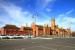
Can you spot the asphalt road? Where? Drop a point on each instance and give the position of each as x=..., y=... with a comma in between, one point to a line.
x=38, y=44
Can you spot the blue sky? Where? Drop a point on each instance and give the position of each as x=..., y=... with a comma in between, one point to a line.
x=20, y=12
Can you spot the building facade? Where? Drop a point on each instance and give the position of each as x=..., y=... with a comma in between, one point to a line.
x=36, y=30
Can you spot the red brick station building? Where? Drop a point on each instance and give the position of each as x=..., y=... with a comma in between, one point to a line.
x=35, y=30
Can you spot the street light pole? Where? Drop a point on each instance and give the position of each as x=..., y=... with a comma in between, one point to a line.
x=34, y=20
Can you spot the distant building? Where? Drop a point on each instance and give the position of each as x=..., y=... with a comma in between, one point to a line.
x=47, y=30
x=26, y=30
x=53, y=24
x=9, y=30
x=13, y=30
x=35, y=30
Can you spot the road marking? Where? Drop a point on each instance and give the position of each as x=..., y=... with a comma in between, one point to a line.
x=33, y=42
x=59, y=45
x=47, y=47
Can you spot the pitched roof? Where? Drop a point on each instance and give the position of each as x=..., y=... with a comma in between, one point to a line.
x=10, y=27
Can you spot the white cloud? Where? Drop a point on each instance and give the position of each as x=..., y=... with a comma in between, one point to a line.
x=4, y=21
x=14, y=12
x=48, y=10
x=23, y=17
x=70, y=11
x=17, y=14
x=66, y=21
x=46, y=2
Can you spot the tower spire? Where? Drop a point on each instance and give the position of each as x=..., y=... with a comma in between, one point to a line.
x=53, y=23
